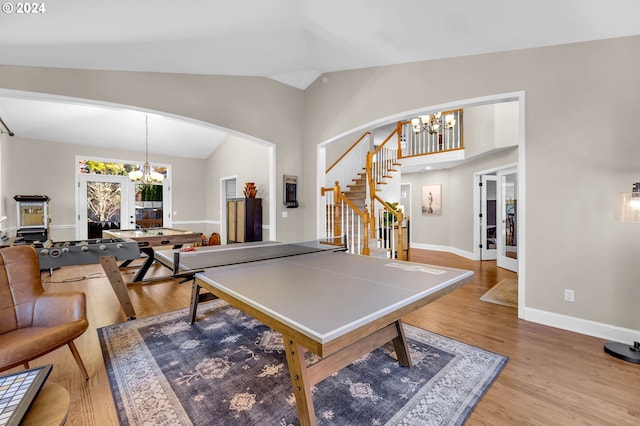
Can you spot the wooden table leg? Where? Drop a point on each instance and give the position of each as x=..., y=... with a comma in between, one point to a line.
x=112, y=271
x=300, y=382
x=400, y=345
x=193, y=306
x=146, y=264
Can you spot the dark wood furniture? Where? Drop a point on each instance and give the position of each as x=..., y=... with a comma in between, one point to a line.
x=244, y=220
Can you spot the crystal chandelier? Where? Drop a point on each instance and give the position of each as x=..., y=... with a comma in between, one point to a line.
x=432, y=123
x=147, y=175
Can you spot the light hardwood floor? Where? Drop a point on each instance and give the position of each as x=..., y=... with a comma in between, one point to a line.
x=553, y=377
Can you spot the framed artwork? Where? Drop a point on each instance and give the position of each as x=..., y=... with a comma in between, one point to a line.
x=432, y=199
x=290, y=188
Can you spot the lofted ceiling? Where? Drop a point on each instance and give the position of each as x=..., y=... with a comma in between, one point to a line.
x=290, y=41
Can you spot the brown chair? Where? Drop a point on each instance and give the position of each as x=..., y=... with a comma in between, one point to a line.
x=33, y=322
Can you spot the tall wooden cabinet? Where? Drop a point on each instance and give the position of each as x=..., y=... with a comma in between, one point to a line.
x=244, y=220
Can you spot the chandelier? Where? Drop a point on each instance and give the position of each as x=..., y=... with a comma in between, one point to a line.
x=432, y=123
x=146, y=176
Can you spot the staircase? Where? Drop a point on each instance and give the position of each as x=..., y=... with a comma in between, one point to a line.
x=357, y=191
x=359, y=215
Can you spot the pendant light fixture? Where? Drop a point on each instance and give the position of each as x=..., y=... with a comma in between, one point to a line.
x=146, y=176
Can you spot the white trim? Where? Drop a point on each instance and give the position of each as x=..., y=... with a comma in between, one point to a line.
x=520, y=228
x=321, y=166
x=196, y=222
x=273, y=196
x=446, y=249
x=56, y=227
x=582, y=326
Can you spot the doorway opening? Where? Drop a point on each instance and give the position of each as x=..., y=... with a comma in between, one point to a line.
x=228, y=191
x=497, y=213
x=488, y=217
x=107, y=199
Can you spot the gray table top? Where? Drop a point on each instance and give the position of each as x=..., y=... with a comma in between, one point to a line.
x=230, y=254
x=325, y=295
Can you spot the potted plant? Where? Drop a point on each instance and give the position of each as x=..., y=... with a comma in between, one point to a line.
x=388, y=217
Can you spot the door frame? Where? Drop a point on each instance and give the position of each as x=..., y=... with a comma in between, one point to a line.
x=477, y=178
x=80, y=196
x=223, y=206
x=127, y=202
x=485, y=252
x=518, y=96
x=504, y=261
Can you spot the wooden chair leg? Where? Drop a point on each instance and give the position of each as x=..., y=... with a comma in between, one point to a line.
x=76, y=355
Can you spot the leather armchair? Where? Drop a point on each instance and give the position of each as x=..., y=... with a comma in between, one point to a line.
x=32, y=321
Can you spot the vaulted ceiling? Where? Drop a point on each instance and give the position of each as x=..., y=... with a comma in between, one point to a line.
x=291, y=41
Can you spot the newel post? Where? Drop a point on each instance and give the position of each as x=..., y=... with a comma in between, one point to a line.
x=365, y=223
x=372, y=191
x=337, y=211
x=399, y=244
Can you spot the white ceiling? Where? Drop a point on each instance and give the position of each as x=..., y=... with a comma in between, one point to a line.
x=291, y=41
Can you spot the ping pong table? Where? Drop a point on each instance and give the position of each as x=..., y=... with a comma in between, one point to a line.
x=336, y=305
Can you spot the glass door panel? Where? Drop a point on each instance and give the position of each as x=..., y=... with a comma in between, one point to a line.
x=149, y=206
x=103, y=204
x=508, y=242
x=488, y=228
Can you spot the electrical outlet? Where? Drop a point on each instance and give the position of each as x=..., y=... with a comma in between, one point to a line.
x=569, y=296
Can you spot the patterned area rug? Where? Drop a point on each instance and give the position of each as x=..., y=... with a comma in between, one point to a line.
x=229, y=369
x=504, y=293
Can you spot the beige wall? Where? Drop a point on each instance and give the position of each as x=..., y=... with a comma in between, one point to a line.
x=260, y=108
x=581, y=109
x=38, y=167
x=453, y=229
x=581, y=148
x=248, y=162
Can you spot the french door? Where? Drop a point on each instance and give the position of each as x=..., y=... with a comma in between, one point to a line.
x=507, y=241
x=488, y=218
x=104, y=202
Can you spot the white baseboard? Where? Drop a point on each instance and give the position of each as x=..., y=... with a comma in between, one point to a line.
x=563, y=322
x=582, y=326
x=195, y=222
x=448, y=249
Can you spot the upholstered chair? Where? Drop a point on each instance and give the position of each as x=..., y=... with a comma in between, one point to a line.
x=32, y=321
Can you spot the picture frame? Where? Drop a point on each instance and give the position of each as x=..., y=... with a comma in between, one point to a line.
x=290, y=191
x=431, y=199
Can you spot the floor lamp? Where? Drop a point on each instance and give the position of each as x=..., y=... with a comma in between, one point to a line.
x=627, y=210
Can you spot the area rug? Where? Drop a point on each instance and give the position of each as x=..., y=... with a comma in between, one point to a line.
x=229, y=369
x=504, y=293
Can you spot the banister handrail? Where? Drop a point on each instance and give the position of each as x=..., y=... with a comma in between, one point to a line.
x=364, y=215
x=399, y=217
x=347, y=151
x=398, y=214
x=341, y=197
x=410, y=145
x=375, y=151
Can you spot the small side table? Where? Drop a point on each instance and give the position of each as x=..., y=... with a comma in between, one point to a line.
x=50, y=408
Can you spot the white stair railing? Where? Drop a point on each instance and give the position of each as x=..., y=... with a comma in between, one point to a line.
x=413, y=144
x=344, y=221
